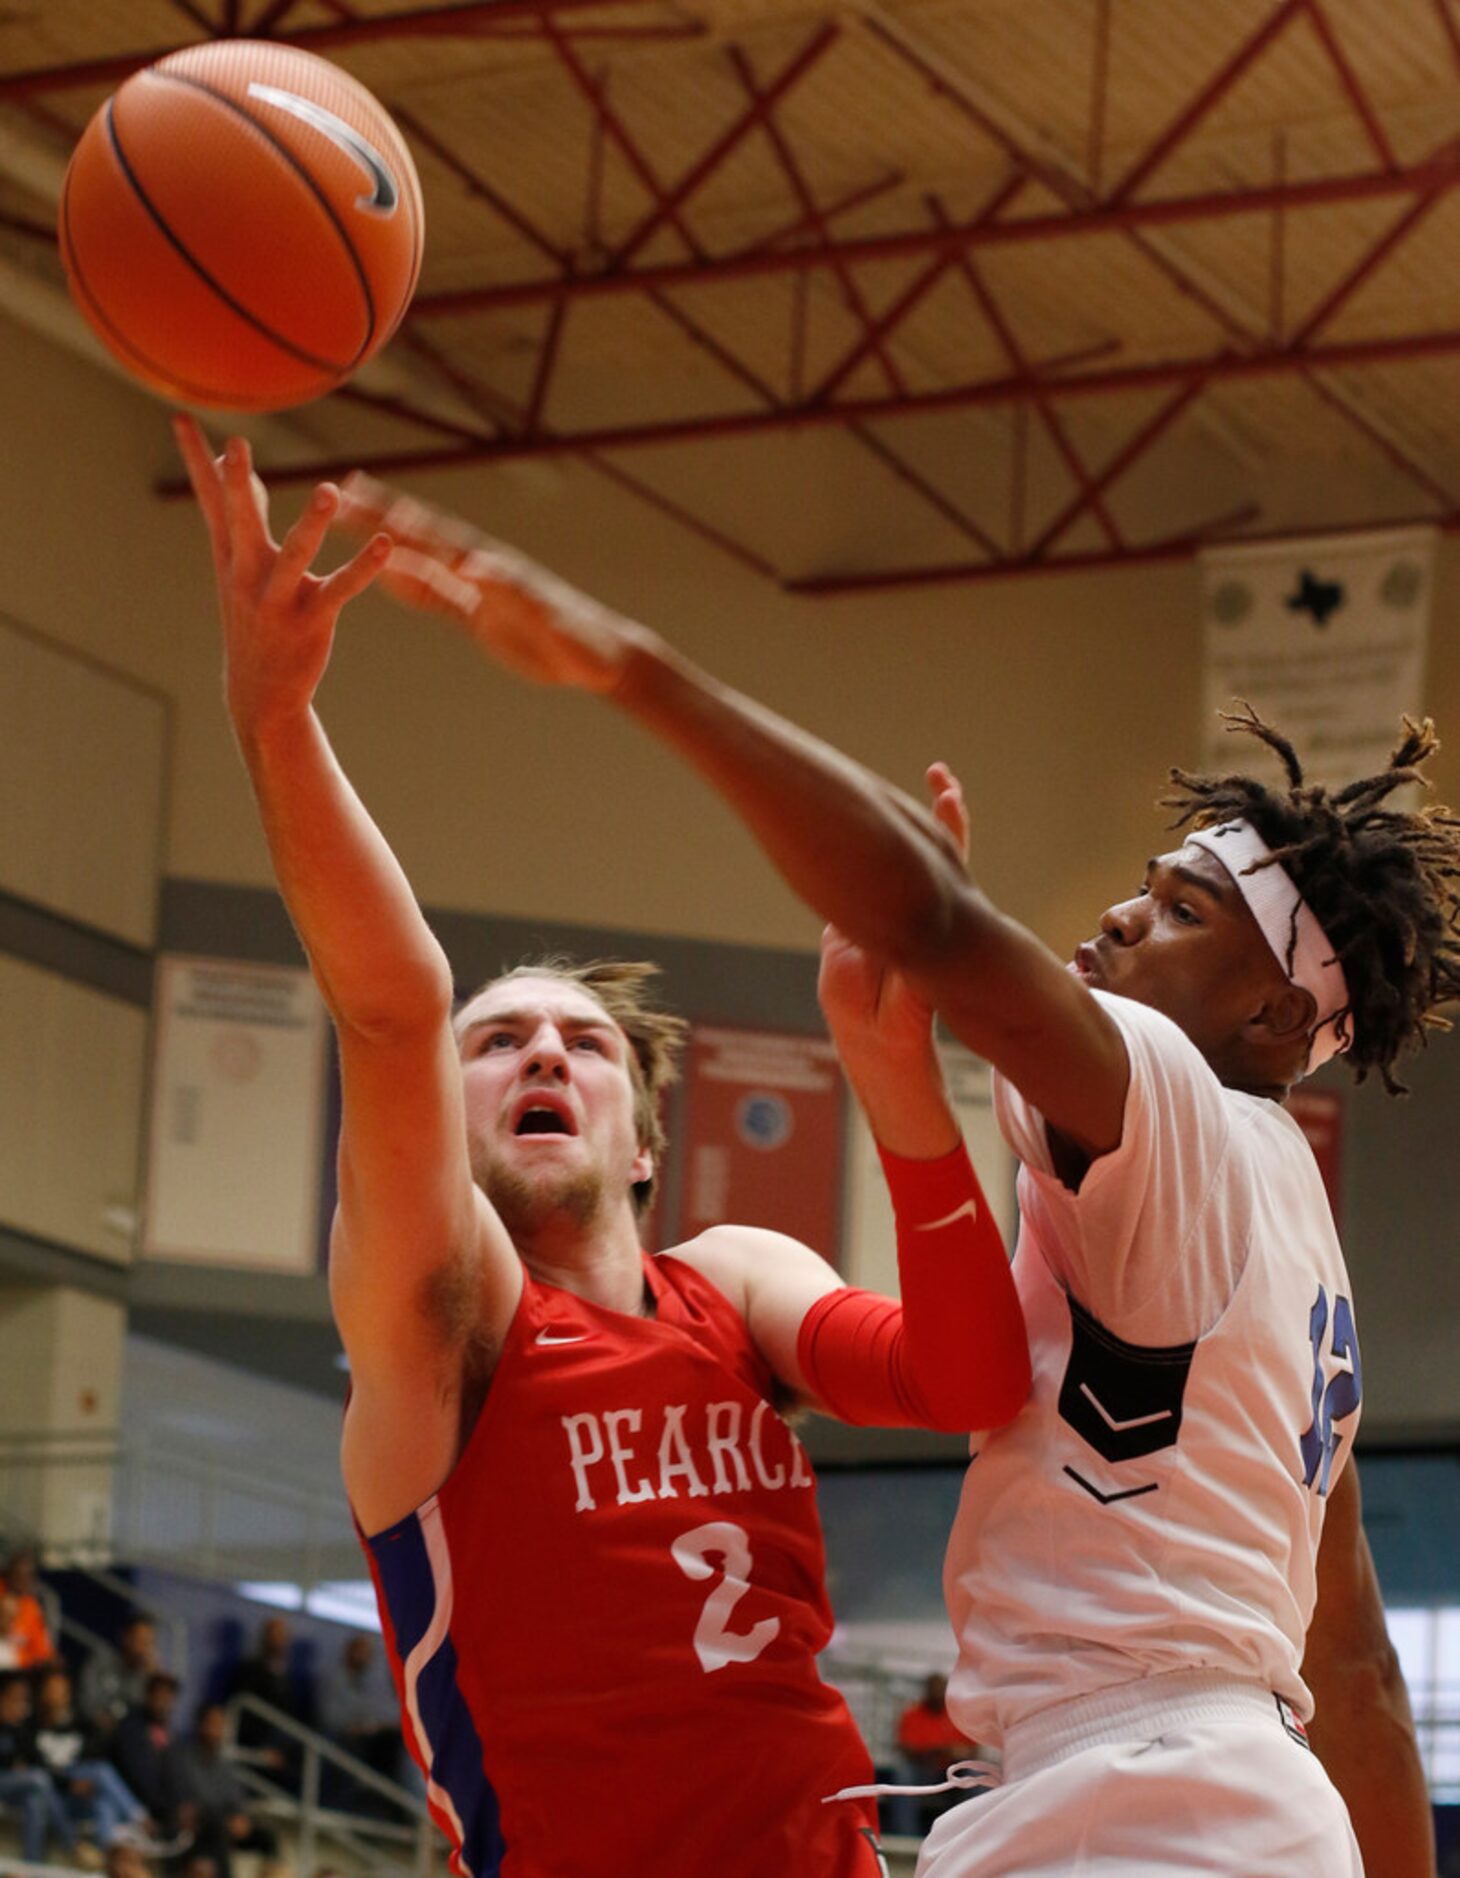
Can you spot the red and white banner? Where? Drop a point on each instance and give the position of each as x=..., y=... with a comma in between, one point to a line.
x=763, y=1135
x=1319, y=1113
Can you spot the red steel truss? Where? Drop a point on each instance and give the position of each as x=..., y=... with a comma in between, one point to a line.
x=1248, y=342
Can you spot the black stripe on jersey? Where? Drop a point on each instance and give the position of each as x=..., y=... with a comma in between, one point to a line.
x=1122, y=1399
x=1109, y=1499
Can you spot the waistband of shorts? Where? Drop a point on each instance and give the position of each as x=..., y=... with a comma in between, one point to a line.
x=1128, y=1711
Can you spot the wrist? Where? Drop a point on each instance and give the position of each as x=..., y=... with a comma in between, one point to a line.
x=924, y=1187
x=648, y=662
x=263, y=726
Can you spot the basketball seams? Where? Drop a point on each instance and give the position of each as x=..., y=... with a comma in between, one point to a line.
x=179, y=247
x=221, y=262
x=339, y=367
x=280, y=148
x=162, y=375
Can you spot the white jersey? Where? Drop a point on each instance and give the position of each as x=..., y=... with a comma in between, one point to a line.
x=1157, y=1505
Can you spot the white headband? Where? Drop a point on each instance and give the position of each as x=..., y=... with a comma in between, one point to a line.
x=1287, y=922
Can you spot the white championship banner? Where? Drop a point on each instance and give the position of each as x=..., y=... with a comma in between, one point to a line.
x=870, y=1241
x=1325, y=638
x=236, y=1132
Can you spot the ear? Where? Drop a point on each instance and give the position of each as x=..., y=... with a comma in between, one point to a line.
x=1286, y=1016
x=643, y=1167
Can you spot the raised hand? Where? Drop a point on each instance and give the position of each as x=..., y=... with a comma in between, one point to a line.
x=526, y=618
x=869, y=1007
x=278, y=617
x=949, y=808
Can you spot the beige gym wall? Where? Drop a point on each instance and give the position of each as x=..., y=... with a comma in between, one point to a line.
x=1060, y=699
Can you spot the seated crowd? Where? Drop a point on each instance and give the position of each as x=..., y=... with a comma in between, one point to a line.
x=97, y=1775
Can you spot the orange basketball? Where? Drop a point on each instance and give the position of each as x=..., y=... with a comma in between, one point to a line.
x=241, y=225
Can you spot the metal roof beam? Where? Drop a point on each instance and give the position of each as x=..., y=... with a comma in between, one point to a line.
x=1211, y=94
x=1267, y=362
x=1431, y=178
x=467, y=19
x=1181, y=548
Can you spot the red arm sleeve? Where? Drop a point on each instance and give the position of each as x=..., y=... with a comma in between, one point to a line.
x=954, y=1354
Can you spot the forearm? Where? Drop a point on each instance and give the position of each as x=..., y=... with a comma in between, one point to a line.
x=904, y=1100
x=858, y=852
x=955, y=1354
x=377, y=962
x=1363, y=1732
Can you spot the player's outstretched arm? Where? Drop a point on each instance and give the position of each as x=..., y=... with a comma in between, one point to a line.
x=410, y=1216
x=859, y=852
x=1362, y=1727
x=956, y=1351
x=953, y=1354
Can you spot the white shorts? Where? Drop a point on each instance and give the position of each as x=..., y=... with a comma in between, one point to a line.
x=1179, y=1774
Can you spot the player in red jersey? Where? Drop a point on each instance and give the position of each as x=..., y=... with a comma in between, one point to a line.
x=593, y=1536
x=1097, y=1611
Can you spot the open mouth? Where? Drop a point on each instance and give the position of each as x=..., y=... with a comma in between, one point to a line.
x=542, y=1121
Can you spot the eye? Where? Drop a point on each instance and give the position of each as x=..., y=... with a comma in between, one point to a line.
x=495, y=1040
x=593, y=1044
x=1185, y=914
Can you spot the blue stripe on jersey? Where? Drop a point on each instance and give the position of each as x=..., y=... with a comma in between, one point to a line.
x=446, y=1735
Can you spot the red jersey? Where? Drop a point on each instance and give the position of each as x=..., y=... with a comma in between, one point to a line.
x=604, y=1625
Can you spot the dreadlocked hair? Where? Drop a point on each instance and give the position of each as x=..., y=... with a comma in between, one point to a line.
x=1383, y=883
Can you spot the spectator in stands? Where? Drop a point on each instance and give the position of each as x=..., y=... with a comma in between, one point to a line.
x=93, y=1792
x=358, y=1708
x=140, y=1744
x=26, y=1628
x=210, y=1800
x=113, y=1683
x=267, y=1676
x=124, y=1859
x=929, y=1741
x=25, y=1788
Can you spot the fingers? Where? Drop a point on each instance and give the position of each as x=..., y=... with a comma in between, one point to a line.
x=422, y=581
x=357, y=574
x=202, y=472
x=303, y=541
x=366, y=505
x=949, y=806
x=245, y=504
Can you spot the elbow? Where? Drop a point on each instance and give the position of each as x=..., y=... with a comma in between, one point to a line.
x=989, y=1400
x=1005, y=1401
x=411, y=1000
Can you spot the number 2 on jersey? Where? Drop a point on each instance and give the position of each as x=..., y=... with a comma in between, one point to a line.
x=716, y=1644
x=1333, y=1397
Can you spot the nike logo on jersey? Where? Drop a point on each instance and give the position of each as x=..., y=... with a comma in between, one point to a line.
x=557, y=1336
x=968, y=1210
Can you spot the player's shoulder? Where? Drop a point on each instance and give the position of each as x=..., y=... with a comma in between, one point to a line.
x=734, y=1258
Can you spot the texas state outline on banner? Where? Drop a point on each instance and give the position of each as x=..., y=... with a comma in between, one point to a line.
x=1325, y=636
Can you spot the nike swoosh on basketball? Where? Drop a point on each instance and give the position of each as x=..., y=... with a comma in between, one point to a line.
x=968, y=1210
x=554, y=1336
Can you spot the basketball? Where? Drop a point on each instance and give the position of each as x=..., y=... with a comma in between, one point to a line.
x=241, y=225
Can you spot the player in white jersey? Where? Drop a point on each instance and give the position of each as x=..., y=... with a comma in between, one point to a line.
x=1135, y=1563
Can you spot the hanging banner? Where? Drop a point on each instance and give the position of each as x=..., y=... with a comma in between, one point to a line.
x=762, y=1135
x=1325, y=638
x=871, y=1239
x=236, y=1132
